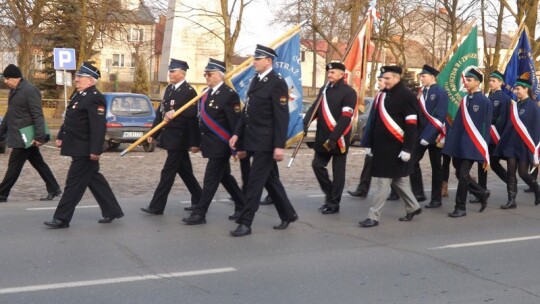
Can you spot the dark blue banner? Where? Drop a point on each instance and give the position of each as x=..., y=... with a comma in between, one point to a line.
x=521, y=65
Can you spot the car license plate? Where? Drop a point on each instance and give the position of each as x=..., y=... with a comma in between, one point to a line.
x=132, y=134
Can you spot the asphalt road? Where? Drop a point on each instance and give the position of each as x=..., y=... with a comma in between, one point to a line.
x=319, y=259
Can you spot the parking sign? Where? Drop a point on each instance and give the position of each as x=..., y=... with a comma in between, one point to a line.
x=64, y=59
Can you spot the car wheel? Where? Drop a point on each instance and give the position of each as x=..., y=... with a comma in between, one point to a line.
x=310, y=145
x=149, y=147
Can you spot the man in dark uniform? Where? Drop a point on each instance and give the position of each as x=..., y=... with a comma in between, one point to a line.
x=467, y=141
x=219, y=110
x=179, y=136
x=24, y=109
x=391, y=138
x=334, y=116
x=81, y=137
x=433, y=102
x=262, y=130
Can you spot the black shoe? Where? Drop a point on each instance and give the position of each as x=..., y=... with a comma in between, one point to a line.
x=433, y=204
x=3, y=199
x=241, y=230
x=322, y=207
x=51, y=196
x=285, y=224
x=267, y=201
x=457, y=213
x=483, y=200
x=509, y=205
x=107, y=220
x=392, y=197
x=474, y=200
x=409, y=216
x=194, y=219
x=368, y=223
x=420, y=198
x=152, y=211
x=357, y=193
x=234, y=216
x=190, y=208
x=528, y=190
x=56, y=224
x=330, y=210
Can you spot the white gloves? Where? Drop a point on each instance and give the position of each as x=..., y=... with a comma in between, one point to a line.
x=368, y=152
x=405, y=156
x=423, y=142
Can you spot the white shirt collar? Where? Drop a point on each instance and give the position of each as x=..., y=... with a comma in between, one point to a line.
x=177, y=85
x=262, y=75
x=214, y=89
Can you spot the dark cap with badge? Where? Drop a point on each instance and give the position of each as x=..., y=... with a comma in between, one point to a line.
x=262, y=51
x=426, y=69
x=12, y=71
x=215, y=66
x=88, y=70
x=526, y=83
x=335, y=65
x=391, y=68
x=176, y=65
x=498, y=75
x=474, y=73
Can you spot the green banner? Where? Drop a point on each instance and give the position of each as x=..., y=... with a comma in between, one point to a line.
x=451, y=76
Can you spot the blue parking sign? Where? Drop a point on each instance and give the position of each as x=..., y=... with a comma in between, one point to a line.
x=64, y=59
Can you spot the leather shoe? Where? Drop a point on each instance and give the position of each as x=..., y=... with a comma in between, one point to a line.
x=322, y=207
x=51, y=196
x=152, y=211
x=241, y=230
x=330, y=210
x=285, y=224
x=457, y=213
x=3, y=199
x=357, y=193
x=509, y=205
x=368, y=223
x=474, y=200
x=190, y=208
x=433, y=204
x=528, y=190
x=392, y=197
x=267, y=201
x=194, y=219
x=234, y=216
x=483, y=200
x=409, y=216
x=420, y=198
x=56, y=224
x=107, y=220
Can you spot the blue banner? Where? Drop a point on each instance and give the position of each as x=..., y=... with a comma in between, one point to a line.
x=287, y=64
x=521, y=65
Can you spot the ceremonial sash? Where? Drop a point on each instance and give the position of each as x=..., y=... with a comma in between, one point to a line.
x=213, y=125
x=331, y=122
x=522, y=131
x=433, y=120
x=477, y=138
x=389, y=123
x=494, y=134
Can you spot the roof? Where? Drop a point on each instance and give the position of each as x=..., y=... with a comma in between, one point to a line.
x=491, y=39
x=323, y=48
x=141, y=15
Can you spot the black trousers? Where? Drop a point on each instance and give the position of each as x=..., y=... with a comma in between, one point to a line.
x=365, y=176
x=522, y=168
x=84, y=173
x=495, y=166
x=331, y=189
x=177, y=162
x=218, y=170
x=435, y=159
x=264, y=173
x=465, y=182
x=17, y=158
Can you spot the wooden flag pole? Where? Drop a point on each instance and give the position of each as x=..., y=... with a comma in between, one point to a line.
x=464, y=33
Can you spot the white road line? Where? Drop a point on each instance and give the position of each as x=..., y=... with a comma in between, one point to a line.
x=144, y=277
x=54, y=208
x=472, y=244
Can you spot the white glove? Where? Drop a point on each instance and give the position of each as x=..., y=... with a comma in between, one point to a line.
x=405, y=156
x=368, y=152
x=423, y=142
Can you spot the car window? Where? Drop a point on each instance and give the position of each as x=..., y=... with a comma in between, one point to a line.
x=130, y=106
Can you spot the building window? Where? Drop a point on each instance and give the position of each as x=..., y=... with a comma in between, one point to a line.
x=135, y=34
x=37, y=62
x=133, y=59
x=118, y=60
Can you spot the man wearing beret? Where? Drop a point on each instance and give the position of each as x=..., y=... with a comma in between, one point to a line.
x=433, y=103
x=219, y=111
x=262, y=129
x=334, y=116
x=178, y=137
x=81, y=137
x=24, y=109
x=391, y=138
x=467, y=141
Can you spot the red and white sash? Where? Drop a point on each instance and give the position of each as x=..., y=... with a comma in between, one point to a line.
x=331, y=121
x=391, y=124
x=522, y=131
x=477, y=138
x=495, y=137
x=433, y=120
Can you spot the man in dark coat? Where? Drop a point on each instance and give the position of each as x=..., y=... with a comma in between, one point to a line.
x=391, y=139
x=467, y=141
x=219, y=110
x=81, y=137
x=179, y=136
x=334, y=117
x=24, y=109
x=262, y=130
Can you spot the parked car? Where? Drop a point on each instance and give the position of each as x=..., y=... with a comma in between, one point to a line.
x=359, y=132
x=129, y=117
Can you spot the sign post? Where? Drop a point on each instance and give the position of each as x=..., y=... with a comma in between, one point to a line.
x=64, y=59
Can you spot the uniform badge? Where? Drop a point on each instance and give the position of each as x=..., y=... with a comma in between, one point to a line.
x=521, y=111
x=476, y=108
x=217, y=92
x=101, y=110
x=432, y=97
x=496, y=103
x=265, y=79
x=83, y=93
x=283, y=100
x=237, y=108
x=172, y=103
x=74, y=105
x=211, y=103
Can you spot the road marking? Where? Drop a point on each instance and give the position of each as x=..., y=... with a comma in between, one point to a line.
x=54, y=208
x=462, y=245
x=143, y=277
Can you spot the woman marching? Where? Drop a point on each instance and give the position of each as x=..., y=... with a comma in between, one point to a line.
x=519, y=142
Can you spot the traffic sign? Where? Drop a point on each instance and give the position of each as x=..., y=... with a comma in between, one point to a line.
x=64, y=59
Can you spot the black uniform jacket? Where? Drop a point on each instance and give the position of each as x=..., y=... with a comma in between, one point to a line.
x=83, y=131
x=223, y=108
x=265, y=118
x=340, y=97
x=182, y=132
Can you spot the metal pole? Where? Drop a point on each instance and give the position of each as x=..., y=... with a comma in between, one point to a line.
x=65, y=90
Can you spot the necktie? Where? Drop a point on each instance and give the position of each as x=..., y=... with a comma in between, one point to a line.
x=424, y=92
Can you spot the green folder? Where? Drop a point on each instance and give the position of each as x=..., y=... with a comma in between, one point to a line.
x=28, y=134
